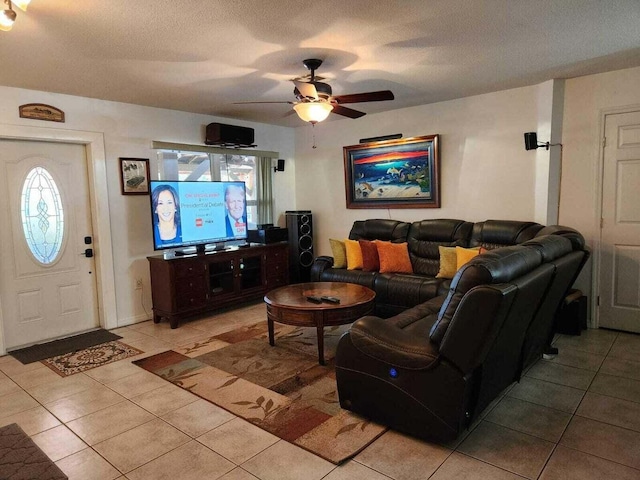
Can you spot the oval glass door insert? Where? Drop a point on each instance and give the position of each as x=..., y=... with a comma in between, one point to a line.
x=42, y=215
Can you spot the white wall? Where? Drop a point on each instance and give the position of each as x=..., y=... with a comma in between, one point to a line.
x=485, y=172
x=128, y=132
x=587, y=99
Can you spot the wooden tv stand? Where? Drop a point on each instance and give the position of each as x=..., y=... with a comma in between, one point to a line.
x=191, y=284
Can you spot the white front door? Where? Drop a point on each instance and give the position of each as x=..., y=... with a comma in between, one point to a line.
x=47, y=282
x=620, y=235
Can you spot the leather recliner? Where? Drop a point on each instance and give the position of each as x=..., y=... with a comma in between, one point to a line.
x=430, y=370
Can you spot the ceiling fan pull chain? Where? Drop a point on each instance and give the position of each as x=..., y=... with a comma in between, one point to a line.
x=313, y=130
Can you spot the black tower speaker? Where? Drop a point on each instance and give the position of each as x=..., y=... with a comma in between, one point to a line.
x=300, y=226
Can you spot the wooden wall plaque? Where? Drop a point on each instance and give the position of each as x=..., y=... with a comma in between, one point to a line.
x=40, y=111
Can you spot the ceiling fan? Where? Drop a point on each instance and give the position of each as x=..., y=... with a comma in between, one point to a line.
x=315, y=99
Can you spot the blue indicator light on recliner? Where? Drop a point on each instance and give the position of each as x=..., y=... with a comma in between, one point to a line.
x=393, y=373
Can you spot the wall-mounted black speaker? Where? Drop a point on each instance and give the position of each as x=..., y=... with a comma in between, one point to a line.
x=530, y=141
x=300, y=227
x=222, y=134
x=280, y=166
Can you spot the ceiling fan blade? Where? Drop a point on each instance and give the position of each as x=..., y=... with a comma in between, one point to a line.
x=365, y=97
x=306, y=89
x=248, y=103
x=347, y=112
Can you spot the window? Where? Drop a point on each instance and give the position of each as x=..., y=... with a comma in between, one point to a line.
x=205, y=167
x=42, y=215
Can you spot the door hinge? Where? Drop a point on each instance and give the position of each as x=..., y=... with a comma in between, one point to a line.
x=601, y=222
x=598, y=300
x=604, y=141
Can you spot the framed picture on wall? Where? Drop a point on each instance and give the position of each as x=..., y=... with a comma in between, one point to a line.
x=400, y=173
x=134, y=176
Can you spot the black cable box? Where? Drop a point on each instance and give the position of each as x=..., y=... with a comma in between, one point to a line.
x=268, y=235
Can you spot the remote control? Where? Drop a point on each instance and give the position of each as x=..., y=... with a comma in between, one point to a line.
x=330, y=299
x=311, y=298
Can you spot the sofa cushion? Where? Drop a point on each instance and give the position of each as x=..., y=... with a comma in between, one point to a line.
x=394, y=257
x=354, y=255
x=339, y=253
x=464, y=255
x=370, y=258
x=405, y=290
x=502, y=233
x=379, y=229
x=424, y=238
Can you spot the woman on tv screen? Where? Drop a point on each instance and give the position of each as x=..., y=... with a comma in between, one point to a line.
x=166, y=207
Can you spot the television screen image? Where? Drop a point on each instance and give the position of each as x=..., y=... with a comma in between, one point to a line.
x=197, y=213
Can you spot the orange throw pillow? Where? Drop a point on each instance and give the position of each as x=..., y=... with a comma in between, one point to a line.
x=394, y=257
x=354, y=254
x=463, y=255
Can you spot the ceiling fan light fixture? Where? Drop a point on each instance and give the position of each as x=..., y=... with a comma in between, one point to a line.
x=7, y=17
x=22, y=4
x=313, y=112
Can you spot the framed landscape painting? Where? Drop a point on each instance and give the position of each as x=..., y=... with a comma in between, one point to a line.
x=399, y=173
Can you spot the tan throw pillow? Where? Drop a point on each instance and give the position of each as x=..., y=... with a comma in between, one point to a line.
x=463, y=255
x=339, y=253
x=354, y=254
x=448, y=262
x=394, y=257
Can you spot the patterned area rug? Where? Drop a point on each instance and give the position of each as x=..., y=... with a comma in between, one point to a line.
x=21, y=458
x=281, y=389
x=92, y=357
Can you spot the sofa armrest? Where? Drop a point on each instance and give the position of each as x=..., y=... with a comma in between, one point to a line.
x=320, y=264
x=386, y=341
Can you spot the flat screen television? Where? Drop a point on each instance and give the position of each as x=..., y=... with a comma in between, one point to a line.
x=197, y=214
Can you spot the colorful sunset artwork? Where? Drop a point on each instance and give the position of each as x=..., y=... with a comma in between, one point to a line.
x=392, y=172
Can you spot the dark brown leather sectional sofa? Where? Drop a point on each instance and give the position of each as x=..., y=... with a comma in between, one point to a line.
x=395, y=292
x=432, y=368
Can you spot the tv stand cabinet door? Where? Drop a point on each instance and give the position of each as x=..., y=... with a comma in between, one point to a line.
x=276, y=266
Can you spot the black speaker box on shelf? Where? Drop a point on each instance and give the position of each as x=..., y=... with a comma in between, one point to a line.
x=268, y=235
x=300, y=226
x=222, y=134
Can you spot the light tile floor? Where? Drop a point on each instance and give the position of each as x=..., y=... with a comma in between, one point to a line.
x=576, y=416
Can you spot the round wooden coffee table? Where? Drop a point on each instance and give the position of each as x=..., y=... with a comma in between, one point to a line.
x=289, y=305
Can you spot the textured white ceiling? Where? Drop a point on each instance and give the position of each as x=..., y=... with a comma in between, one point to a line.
x=203, y=55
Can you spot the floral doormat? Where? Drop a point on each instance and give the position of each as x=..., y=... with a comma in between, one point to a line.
x=281, y=389
x=88, y=358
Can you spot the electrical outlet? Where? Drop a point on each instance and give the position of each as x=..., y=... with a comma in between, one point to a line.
x=138, y=283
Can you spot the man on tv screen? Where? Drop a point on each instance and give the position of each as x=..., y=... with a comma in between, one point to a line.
x=235, y=219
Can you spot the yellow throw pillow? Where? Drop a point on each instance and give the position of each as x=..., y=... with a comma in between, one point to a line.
x=339, y=253
x=394, y=257
x=354, y=254
x=448, y=262
x=463, y=255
